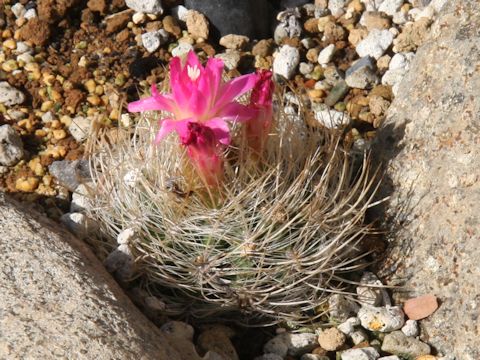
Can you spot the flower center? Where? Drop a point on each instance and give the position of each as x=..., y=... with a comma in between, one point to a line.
x=193, y=72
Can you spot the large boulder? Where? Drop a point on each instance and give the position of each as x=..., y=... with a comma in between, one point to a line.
x=57, y=300
x=431, y=143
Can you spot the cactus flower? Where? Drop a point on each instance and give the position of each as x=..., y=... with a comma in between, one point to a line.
x=199, y=95
x=258, y=127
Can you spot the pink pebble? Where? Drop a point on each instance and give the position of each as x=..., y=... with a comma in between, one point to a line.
x=420, y=307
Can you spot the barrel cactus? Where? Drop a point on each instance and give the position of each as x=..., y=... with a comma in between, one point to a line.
x=269, y=231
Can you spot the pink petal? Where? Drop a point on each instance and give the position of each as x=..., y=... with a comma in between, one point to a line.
x=236, y=87
x=220, y=129
x=236, y=112
x=192, y=60
x=210, y=82
x=154, y=102
x=166, y=127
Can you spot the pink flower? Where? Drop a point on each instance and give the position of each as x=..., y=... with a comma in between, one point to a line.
x=258, y=127
x=199, y=95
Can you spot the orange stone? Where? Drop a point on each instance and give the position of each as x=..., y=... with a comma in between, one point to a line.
x=420, y=307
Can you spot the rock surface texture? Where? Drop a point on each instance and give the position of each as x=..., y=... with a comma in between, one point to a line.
x=59, y=302
x=431, y=143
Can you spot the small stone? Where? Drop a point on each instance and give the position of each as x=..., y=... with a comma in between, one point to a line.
x=22, y=47
x=217, y=339
x=375, y=20
x=286, y=61
x=299, y=344
x=59, y=134
x=232, y=41
x=331, y=339
x=263, y=48
x=10, y=44
x=277, y=345
x=360, y=335
x=197, y=24
x=70, y=173
x=311, y=25
x=153, y=303
x=146, y=6
x=171, y=26
x=392, y=357
x=337, y=7
x=348, y=326
x=269, y=357
x=81, y=199
x=390, y=7
x=410, y=328
x=366, y=353
x=117, y=21
x=230, y=58
x=180, y=12
x=305, y=68
x=97, y=6
x=382, y=319
x=126, y=236
x=427, y=357
x=393, y=78
x=18, y=10
x=28, y=184
x=80, y=128
x=121, y=263
x=375, y=44
x=337, y=93
x=333, y=119
x=326, y=54
x=420, y=307
x=79, y=224
x=139, y=18
x=30, y=14
x=339, y=307
x=378, y=106
x=312, y=55
x=9, y=95
x=314, y=357
x=412, y=36
x=332, y=75
x=10, y=65
x=11, y=146
x=357, y=35
x=398, y=343
x=362, y=74
x=401, y=61
x=383, y=62
x=153, y=40
x=182, y=49
x=370, y=290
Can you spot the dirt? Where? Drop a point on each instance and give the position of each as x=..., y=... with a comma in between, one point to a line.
x=36, y=31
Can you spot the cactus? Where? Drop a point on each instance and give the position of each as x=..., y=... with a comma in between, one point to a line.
x=278, y=235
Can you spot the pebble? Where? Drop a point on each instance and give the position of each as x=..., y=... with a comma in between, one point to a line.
x=139, y=18
x=332, y=75
x=180, y=13
x=299, y=344
x=70, y=173
x=314, y=357
x=410, y=328
x=398, y=343
x=420, y=307
x=393, y=78
x=375, y=20
x=366, y=353
x=154, y=39
x=146, y=6
x=370, y=291
x=333, y=119
x=11, y=146
x=391, y=357
x=390, y=7
x=326, y=55
x=277, y=345
x=18, y=10
x=337, y=7
x=126, y=236
x=360, y=335
x=348, y=326
x=286, y=61
x=25, y=58
x=269, y=357
x=30, y=14
x=362, y=74
x=235, y=42
x=121, y=263
x=375, y=44
x=80, y=128
x=337, y=93
x=79, y=224
x=331, y=339
x=81, y=199
x=401, y=61
x=9, y=95
x=217, y=339
x=197, y=24
x=182, y=49
x=339, y=307
x=231, y=58
x=382, y=319
x=305, y=68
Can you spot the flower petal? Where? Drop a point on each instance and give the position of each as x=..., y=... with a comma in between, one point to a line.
x=166, y=127
x=236, y=87
x=220, y=129
x=236, y=112
x=154, y=102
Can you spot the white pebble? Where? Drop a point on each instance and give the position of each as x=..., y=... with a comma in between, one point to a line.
x=390, y=7
x=305, y=68
x=81, y=199
x=370, y=292
x=18, y=10
x=299, y=344
x=9, y=95
x=326, y=54
x=331, y=119
x=375, y=44
x=230, y=58
x=348, y=326
x=359, y=336
x=391, y=357
x=182, y=49
x=139, y=18
x=367, y=353
x=154, y=39
x=286, y=61
x=30, y=14
x=382, y=319
x=336, y=7
x=126, y=236
x=23, y=48
x=410, y=328
x=80, y=128
x=11, y=146
x=146, y=6
x=180, y=13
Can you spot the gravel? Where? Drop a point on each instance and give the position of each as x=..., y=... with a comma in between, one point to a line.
x=9, y=95
x=362, y=74
x=382, y=319
x=367, y=353
x=398, y=343
x=286, y=61
x=146, y=6
x=375, y=44
x=11, y=146
x=154, y=39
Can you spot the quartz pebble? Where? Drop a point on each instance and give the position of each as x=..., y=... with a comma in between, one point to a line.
x=9, y=95
x=81, y=199
x=11, y=146
x=420, y=307
x=18, y=10
x=80, y=128
x=230, y=58
x=314, y=357
x=146, y=6
x=154, y=39
x=390, y=7
x=370, y=291
x=333, y=119
x=180, y=13
x=391, y=357
x=348, y=326
x=331, y=339
x=305, y=68
x=359, y=336
x=366, y=353
x=286, y=61
x=410, y=328
x=375, y=44
x=126, y=236
x=398, y=343
x=182, y=49
x=337, y=7
x=382, y=319
x=325, y=56
x=362, y=74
